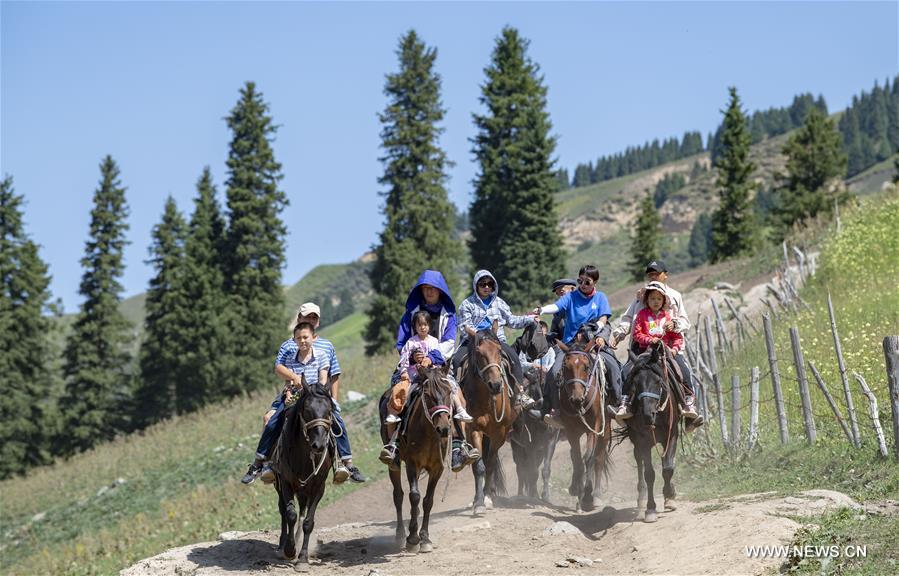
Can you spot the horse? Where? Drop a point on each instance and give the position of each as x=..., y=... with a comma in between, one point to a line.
x=487, y=388
x=301, y=464
x=424, y=446
x=533, y=443
x=582, y=409
x=656, y=406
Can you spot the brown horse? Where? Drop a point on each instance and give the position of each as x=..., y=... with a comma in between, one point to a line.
x=487, y=384
x=582, y=403
x=424, y=446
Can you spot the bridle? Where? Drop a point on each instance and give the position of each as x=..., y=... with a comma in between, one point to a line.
x=307, y=427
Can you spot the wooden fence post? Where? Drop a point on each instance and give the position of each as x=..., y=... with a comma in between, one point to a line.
x=891, y=354
x=735, y=404
x=833, y=405
x=775, y=381
x=807, y=416
x=723, y=344
x=713, y=368
x=753, y=407
x=875, y=415
x=850, y=408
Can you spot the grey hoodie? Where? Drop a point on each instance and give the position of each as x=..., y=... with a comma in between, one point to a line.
x=473, y=310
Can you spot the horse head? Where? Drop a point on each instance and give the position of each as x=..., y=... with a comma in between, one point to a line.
x=437, y=398
x=315, y=416
x=486, y=356
x=577, y=366
x=647, y=383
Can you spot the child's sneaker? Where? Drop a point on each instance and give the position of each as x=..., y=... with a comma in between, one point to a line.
x=690, y=408
x=624, y=411
x=388, y=453
x=392, y=419
x=552, y=420
x=462, y=414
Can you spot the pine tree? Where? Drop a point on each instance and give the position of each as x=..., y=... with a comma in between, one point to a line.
x=93, y=406
x=166, y=339
x=647, y=235
x=700, y=240
x=732, y=223
x=419, y=219
x=815, y=160
x=562, y=179
x=255, y=245
x=204, y=250
x=24, y=330
x=513, y=219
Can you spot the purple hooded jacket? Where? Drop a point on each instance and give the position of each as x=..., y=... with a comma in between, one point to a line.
x=446, y=308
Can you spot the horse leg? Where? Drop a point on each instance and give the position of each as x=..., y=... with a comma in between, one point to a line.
x=309, y=522
x=547, y=463
x=577, y=466
x=668, y=473
x=600, y=461
x=433, y=476
x=413, y=539
x=398, y=504
x=641, y=480
x=650, y=474
x=479, y=470
x=290, y=513
x=586, y=496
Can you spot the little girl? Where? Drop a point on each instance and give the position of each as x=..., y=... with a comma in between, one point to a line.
x=649, y=328
x=429, y=347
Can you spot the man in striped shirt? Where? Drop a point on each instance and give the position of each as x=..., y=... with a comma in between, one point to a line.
x=311, y=313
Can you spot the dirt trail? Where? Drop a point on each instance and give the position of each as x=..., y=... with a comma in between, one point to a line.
x=356, y=534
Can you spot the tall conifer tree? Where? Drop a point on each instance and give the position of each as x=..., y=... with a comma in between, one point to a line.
x=513, y=218
x=419, y=219
x=815, y=159
x=647, y=234
x=166, y=339
x=24, y=331
x=96, y=360
x=255, y=245
x=205, y=254
x=732, y=222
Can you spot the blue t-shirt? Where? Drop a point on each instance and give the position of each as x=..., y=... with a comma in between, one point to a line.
x=578, y=309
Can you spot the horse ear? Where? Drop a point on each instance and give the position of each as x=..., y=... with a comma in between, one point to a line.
x=631, y=356
x=655, y=354
x=562, y=346
x=495, y=326
x=445, y=369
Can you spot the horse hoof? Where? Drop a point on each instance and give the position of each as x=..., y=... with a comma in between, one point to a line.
x=411, y=546
x=425, y=547
x=586, y=505
x=650, y=516
x=480, y=510
x=670, y=504
x=290, y=554
x=488, y=502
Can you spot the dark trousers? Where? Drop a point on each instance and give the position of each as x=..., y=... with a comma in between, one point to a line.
x=273, y=429
x=684, y=369
x=514, y=364
x=552, y=383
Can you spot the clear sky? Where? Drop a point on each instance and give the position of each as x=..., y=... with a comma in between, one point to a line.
x=150, y=84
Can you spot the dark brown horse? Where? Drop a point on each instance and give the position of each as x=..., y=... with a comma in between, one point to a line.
x=487, y=384
x=301, y=464
x=582, y=403
x=533, y=442
x=656, y=413
x=424, y=445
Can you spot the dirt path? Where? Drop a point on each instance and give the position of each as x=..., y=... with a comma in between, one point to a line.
x=355, y=535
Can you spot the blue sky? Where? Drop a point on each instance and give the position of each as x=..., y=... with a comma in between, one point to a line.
x=150, y=83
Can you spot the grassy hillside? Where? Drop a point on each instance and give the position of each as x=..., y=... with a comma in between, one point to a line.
x=860, y=267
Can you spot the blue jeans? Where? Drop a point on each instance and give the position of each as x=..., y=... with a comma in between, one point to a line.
x=338, y=427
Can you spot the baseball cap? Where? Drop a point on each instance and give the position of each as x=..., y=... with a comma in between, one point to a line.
x=309, y=308
x=656, y=266
x=563, y=282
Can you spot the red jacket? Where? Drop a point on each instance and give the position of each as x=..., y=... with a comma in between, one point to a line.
x=648, y=326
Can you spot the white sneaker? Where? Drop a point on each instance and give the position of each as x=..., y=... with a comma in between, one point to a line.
x=463, y=415
x=393, y=419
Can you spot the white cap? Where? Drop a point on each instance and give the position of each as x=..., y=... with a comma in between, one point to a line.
x=309, y=308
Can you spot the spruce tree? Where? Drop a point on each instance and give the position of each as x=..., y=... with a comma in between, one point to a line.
x=733, y=221
x=204, y=250
x=815, y=160
x=255, y=246
x=166, y=339
x=93, y=405
x=419, y=219
x=24, y=339
x=647, y=235
x=513, y=217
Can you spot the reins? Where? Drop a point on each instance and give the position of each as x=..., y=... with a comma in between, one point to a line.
x=665, y=404
x=307, y=426
x=598, y=365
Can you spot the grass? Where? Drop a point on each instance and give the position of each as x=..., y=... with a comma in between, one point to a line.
x=860, y=268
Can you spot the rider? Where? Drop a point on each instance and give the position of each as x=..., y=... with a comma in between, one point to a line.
x=307, y=362
x=651, y=326
x=560, y=287
x=478, y=312
x=657, y=271
x=580, y=307
x=431, y=294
